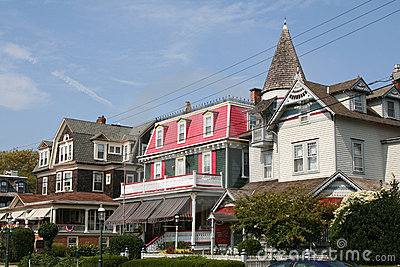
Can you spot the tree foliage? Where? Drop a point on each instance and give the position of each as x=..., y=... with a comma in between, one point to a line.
x=370, y=221
x=23, y=161
x=284, y=220
x=119, y=243
x=48, y=231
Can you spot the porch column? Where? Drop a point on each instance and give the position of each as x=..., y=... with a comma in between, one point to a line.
x=53, y=215
x=193, y=196
x=25, y=219
x=86, y=220
x=114, y=228
x=212, y=235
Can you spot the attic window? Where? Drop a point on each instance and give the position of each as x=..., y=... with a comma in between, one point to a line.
x=100, y=151
x=159, y=137
x=208, y=125
x=358, y=103
x=66, y=137
x=390, y=109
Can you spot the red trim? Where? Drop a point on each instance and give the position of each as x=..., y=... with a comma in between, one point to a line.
x=200, y=163
x=157, y=237
x=178, y=175
x=213, y=162
x=206, y=185
x=294, y=118
x=152, y=171
x=280, y=98
x=305, y=140
x=319, y=112
x=163, y=169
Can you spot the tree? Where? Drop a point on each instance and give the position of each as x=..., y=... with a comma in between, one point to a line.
x=48, y=232
x=370, y=221
x=119, y=243
x=23, y=161
x=284, y=220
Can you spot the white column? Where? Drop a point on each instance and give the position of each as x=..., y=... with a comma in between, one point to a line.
x=212, y=235
x=193, y=196
x=86, y=220
x=114, y=228
x=54, y=215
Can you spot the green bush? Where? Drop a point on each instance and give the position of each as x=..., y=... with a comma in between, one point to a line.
x=108, y=261
x=185, y=262
x=22, y=241
x=48, y=232
x=84, y=250
x=119, y=243
x=251, y=246
x=39, y=260
x=59, y=249
x=66, y=262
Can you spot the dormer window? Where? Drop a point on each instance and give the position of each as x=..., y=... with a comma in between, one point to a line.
x=114, y=149
x=208, y=125
x=126, y=151
x=3, y=186
x=391, y=109
x=181, y=131
x=43, y=158
x=159, y=137
x=100, y=151
x=65, y=152
x=66, y=137
x=358, y=103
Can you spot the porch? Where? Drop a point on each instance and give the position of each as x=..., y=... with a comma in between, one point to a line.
x=193, y=180
x=201, y=237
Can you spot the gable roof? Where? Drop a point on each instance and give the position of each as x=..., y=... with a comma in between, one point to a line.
x=45, y=144
x=284, y=64
x=262, y=105
x=381, y=92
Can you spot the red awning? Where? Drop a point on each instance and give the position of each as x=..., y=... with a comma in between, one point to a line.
x=171, y=207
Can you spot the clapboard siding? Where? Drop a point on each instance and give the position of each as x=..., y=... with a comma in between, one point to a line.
x=374, y=154
x=321, y=127
x=376, y=105
x=392, y=160
x=238, y=121
x=256, y=164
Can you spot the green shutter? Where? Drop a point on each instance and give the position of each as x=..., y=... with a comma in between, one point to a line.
x=148, y=171
x=220, y=161
x=170, y=167
x=191, y=163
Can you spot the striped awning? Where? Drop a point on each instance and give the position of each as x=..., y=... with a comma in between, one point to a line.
x=17, y=214
x=141, y=214
x=39, y=214
x=117, y=218
x=171, y=207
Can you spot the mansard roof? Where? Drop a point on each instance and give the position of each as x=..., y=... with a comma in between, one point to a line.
x=284, y=65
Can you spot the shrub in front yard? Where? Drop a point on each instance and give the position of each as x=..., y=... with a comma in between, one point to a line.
x=251, y=246
x=185, y=262
x=39, y=260
x=59, y=249
x=22, y=240
x=119, y=243
x=108, y=261
x=84, y=250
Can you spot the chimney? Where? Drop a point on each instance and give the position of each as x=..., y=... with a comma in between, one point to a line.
x=255, y=95
x=188, y=107
x=396, y=76
x=101, y=120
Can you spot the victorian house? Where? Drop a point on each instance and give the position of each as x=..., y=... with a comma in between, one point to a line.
x=192, y=156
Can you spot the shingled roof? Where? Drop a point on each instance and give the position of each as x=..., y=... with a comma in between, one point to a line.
x=381, y=91
x=284, y=65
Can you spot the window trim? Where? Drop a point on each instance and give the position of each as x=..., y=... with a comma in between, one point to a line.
x=361, y=143
x=305, y=157
x=158, y=163
x=264, y=154
x=45, y=185
x=44, y=157
x=206, y=116
x=67, y=149
x=126, y=151
x=203, y=161
x=354, y=100
x=59, y=181
x=176, y=166
x=6, y=186
x=243, y=166
x=64, y=180
x=115, y=147
x=394, y=109
x=182, y=122
x=159, y=136
x=250, y=122
x=95, y=173
x=108, y=178
x=77, y=241
x=96, y=151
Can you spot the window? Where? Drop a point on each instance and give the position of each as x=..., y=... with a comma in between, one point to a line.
x=267, y=158
x=305, y=157
x=65, y=152
x=44, y=186
x=159, y=137
x=304, y=115
x=180, y=166
x=245, y=163
x=108, y=178
x=390, y=109
x=3, y=187
x=181, y=131
x=44, y=158
x=98, y=181
x=126, y=151
x=157, y=170
x=59, y=182
x=358, y=155
x=100, y=151
x=20, y=187
x=67, y=181
x=207, y=162
x=144, y=147
x=251, y=121
x=358, y=103
x=113, y=149
x=208, y=125
x=72, y=241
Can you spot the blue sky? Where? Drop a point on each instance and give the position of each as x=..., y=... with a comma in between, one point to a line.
x=84, y=59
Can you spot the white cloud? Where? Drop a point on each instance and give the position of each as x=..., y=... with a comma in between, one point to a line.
x=18, y=92
x=80, y=87
x=127, y=82
x=17, y=52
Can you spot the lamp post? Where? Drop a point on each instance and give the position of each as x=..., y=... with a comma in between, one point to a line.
x=9, y=219
x=101, y=212
x=176, y=231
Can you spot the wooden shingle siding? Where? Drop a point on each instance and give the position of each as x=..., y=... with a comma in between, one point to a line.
x=320, y=128
x=191, y=163
x=170, y=167
x=220, y=161
x=371, y=134
x=235, y=169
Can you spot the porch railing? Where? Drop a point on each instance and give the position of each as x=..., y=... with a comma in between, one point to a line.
x=194, y=179
x=201, y=236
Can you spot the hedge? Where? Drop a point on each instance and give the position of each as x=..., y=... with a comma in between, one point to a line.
x=172, y=262
x=119, y=243
x=108, y=261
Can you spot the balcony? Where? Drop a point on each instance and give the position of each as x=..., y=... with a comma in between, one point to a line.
x=261, y=137
x=192, y=180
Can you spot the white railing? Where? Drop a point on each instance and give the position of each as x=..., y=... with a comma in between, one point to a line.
x=201, y=236
x=172, y=183
x=260, y=134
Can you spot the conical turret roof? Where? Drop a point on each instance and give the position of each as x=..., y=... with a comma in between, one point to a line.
x=284, y=65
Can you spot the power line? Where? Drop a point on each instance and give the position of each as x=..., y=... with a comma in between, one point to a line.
x=242, y=61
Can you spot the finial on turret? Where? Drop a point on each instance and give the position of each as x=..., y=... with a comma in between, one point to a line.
x=284, y=23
